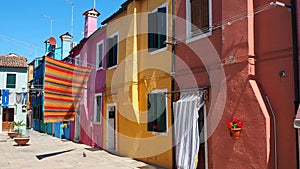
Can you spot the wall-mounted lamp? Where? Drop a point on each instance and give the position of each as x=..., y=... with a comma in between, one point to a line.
x=277, y=3
x=282, y=73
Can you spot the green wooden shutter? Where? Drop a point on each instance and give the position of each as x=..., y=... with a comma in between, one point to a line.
x=161, y=112
x=115, y=50
x=11, y=81
x=157, y=112
x=161, y=27
x=152, y=32
x=151, y=117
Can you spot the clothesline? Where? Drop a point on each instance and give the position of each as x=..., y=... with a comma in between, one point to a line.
x=13, y=97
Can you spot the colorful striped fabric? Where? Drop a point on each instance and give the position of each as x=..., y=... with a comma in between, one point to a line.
x=63, y=88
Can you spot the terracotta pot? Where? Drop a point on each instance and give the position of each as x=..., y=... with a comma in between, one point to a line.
x=235, y=133
x=18, y=135
x=11, y=134
x=21, y=141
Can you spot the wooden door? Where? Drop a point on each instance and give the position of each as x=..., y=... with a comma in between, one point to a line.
x=7, y=118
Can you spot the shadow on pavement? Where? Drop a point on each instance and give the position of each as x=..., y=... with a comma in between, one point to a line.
x=40, y=157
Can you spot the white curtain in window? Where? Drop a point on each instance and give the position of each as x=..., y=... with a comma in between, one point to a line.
x=187, y=138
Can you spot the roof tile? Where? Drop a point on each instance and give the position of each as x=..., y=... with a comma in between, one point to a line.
x=13, y=60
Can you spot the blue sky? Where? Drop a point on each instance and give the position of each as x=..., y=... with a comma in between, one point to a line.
x=25, y=24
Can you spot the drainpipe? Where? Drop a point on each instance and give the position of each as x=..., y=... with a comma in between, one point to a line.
x=296, y=68
x=173, y=83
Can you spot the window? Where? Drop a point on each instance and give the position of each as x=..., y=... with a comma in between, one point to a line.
x=11, y=81
x=198, y=17
x=157, y=112
x=99, y=55
x=98, y=109
x=157, y=29
x=77, y=60
x=112, y=51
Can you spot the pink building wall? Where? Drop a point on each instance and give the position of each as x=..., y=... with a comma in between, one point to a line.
x=93, y=134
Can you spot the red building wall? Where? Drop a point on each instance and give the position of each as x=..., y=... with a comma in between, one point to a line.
x=264, y=37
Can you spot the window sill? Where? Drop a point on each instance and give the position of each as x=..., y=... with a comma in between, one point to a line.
x=198, y=37
x=97, y=123
x=100, y=68
x=113, y=67
x=160, y=133
x=159, y=50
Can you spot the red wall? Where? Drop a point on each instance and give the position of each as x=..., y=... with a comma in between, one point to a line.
x=271, y=31
x=273, y=46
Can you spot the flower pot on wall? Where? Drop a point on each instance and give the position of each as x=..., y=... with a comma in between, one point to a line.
x=235, y=133
x=235, y=128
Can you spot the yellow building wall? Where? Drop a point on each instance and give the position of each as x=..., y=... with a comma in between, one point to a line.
x=137, y=74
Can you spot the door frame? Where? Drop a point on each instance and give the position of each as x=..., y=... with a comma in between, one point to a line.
x=77, y=124
x=2, y=113
x=205, y=137
x=116, y=124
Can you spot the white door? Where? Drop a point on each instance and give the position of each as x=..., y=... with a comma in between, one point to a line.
x=111, y=128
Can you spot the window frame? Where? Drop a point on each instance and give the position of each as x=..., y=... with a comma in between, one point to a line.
x=108, y=48
x=100, y=43
x=95, y=109
x=189, y=36
x=166, y=101
x=158, y=50
x=16, y=81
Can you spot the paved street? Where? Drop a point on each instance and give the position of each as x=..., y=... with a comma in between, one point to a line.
x=47, y=152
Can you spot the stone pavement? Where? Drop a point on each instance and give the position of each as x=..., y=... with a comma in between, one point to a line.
x=46, y=152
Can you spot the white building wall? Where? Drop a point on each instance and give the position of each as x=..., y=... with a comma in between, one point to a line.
x=21, y=86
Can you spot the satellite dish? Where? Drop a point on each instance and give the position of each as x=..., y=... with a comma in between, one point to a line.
x=52, y=41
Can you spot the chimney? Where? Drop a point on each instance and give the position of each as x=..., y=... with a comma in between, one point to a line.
x=90, y=24
x=50, y=47
x=66, y=40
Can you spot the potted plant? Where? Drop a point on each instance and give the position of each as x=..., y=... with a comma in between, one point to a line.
x=18, y=126
x=19, y=139
x=235, y=128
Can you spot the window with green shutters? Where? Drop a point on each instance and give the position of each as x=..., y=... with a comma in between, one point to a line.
x=11, y=81
x=112, y=51
x=157, y=29
x=157, y=114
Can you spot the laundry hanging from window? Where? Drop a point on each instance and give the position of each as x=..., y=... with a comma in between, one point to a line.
x=5, y=98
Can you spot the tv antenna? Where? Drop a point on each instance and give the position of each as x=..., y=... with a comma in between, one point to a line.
x=50, y=18
x=72, y=15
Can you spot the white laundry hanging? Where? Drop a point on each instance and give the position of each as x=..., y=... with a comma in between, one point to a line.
x=12, y=98
x=186, y=133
